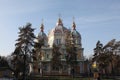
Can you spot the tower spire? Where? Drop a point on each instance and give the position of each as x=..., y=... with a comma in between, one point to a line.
x=42, y=26
x=59, y=21
x=73, y=24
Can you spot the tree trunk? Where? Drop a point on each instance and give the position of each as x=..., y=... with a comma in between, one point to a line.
x=24, y=68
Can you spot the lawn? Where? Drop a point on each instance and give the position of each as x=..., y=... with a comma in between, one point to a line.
x=62, y=78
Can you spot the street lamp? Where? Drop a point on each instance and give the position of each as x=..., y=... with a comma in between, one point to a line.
x=95, y=71
x=94, y=65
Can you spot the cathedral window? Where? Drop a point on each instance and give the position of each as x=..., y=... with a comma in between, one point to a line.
x=58, y=41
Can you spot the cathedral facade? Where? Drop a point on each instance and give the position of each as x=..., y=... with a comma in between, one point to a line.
x=57, y=36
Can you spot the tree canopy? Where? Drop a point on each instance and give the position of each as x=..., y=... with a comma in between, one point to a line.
x=107, y=56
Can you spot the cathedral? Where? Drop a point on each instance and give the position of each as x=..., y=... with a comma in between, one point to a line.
x=57, y=36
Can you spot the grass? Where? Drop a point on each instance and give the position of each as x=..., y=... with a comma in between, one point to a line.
x=61, y=78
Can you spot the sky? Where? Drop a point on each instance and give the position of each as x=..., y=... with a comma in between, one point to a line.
x=95, y=20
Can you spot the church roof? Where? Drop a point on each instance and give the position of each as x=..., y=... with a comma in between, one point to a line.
x=41, y=34
x=59, y=22
x=74, y=32
x=58, y=28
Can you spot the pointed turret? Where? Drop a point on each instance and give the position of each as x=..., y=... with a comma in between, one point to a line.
x=42, y=35
x=59, y=22
x=75, y=34
x=42, y=27
x=74, y=26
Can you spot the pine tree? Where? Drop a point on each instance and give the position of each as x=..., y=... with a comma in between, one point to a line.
x=37, y=48
x=56, y=57
x=25, y=43
x=105, y=56
x=37, y=56
x=71, y=56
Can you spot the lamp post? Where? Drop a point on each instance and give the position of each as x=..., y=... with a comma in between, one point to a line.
x=95, y=71
x=94, y=65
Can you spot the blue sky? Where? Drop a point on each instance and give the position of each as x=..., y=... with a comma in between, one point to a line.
x=95, y=19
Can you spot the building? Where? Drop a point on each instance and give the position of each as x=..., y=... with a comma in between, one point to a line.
x=58, y=36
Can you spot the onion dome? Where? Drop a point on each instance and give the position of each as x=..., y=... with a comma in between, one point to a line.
x=59, y=28
x=42, y=35
x=58, y=32
x=75, y=34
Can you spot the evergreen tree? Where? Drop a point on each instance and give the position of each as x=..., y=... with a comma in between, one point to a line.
x=37, y=56
x=71, y=56
x=56, y=58
x=3, y=62
x=37, y=48
x=25, y=43
x=16, y=63
x=100, y=57
x=106, y=56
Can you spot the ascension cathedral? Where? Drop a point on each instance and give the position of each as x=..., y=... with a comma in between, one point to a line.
x=57, y=36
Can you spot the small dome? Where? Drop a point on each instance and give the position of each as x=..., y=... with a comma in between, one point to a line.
x=57, y=34
x=59, y=28
x=75, y=34
x=41, y=36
